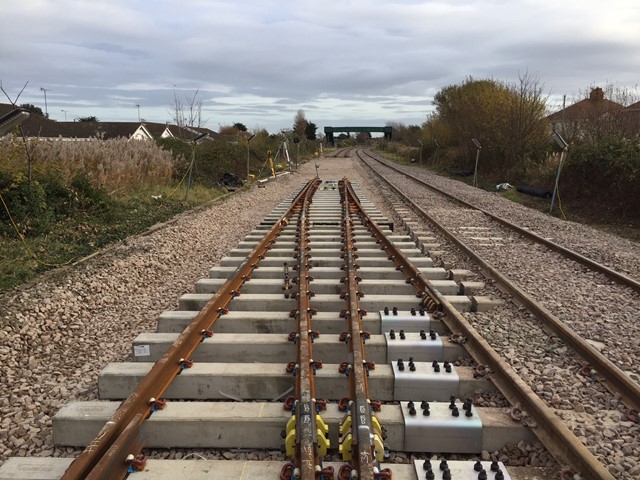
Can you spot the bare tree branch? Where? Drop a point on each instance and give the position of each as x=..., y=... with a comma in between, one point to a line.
x=13, y=102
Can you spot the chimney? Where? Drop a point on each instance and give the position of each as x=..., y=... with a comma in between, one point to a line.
x=596, y=95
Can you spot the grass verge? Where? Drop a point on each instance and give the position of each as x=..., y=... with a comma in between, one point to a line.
x=87, y=231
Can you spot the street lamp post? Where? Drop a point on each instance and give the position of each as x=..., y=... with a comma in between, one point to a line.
x=46, y=110
x=565, y=148
x=65, y=114
x=475, y=170
x=137, y=105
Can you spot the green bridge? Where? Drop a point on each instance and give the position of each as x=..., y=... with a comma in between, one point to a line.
x=329, y=131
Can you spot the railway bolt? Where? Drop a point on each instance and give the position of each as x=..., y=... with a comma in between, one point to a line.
x=135, y=463
x=185, y=364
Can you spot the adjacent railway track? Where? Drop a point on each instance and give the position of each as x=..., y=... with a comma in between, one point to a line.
x=325, y=302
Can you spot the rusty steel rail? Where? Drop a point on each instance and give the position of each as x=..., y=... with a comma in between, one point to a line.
x=549, y=429
x=609, y=272
x=305, y=435
x=361, y=434
x=413, y=275
x=612, y=377
x=109, y=455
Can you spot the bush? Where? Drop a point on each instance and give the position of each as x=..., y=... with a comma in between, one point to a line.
x=35, y=206
x=110, y=164
x=607, y=173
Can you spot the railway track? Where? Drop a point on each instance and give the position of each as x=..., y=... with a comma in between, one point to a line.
x=487, y=239
x=489, y=232
x=323, y=333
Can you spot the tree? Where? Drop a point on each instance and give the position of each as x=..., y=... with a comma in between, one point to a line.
x=310, y=131
x=509, y=120
x=241, y=127
x=32, y=108
x=92, y=118
x=187, y=113
x=300, y=124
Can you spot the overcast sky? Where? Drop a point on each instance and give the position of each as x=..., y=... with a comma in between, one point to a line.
x=258, y=61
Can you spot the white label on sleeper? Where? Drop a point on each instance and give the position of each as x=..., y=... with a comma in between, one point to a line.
x=141, y=351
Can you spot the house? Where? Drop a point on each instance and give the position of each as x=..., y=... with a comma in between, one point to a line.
x=591, y=117
x=588, y=109
x=630, y=117
x=38, y=126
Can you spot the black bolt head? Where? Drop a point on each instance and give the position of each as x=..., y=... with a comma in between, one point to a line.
x=424, y=404
x=444, y=465
x=495, y=466
x=477, y=466
x=455, y=412
x=386, y=310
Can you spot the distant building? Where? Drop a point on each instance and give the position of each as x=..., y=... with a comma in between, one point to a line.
x=592, y=117
x=630, y=117
x=589, y=108
x=38, y=126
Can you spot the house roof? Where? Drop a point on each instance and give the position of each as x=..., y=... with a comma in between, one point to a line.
x=589, y=108
x=40, y=126
x=632, y=107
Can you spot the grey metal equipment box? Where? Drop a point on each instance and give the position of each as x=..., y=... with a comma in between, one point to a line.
x=413, y=345
x=404, y=321
x=459, y=469
x=424, y=383
x=441, y=432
